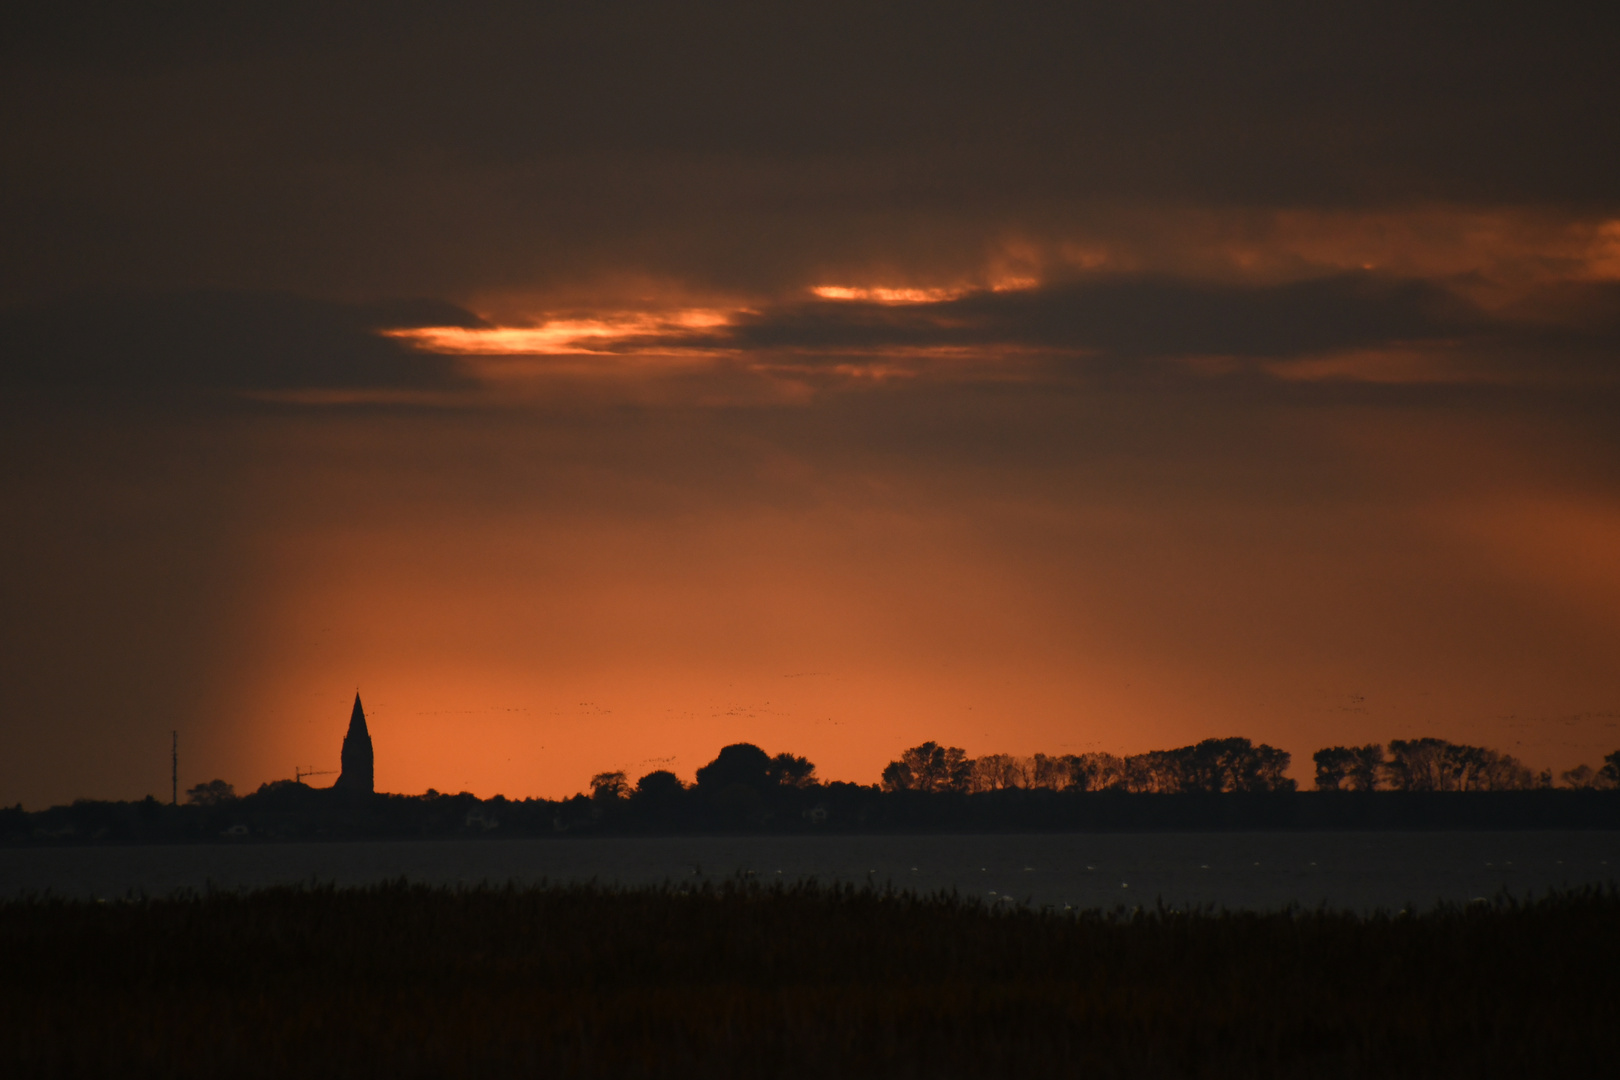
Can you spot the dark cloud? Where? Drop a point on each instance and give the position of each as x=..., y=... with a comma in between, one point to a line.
x=355, y=149
x=204, y=201
x=1566, y=333
x=220, y=341
x=1140, y=317
x=1309, y=89
x=1557, y=333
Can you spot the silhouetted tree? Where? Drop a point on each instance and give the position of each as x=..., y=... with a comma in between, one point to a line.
x=1156, y=771
x=994, y=772
x=1333, y=764
x=1232, y=764
x=659, y=784
x=1413, y=764
x=1581, y=776
x=1212, y=766
x=1368, y=764
x=211, y=794
x=1489, y=770
x=739, y=763
x=1262, y=769
x=1360, y=765
x=897, y=776
x=1095, y=772
x=1430, y=764
x=1416, y=765
x=929, y=767
x=1049, y=772
x=1610, y=773
x=790, y=771
x=606, y=786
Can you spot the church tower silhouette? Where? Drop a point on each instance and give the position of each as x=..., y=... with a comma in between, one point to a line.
x=357, y=762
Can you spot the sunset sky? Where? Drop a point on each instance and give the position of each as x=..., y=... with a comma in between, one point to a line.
x=594, y=386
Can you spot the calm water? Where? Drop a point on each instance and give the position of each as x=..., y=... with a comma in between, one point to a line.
x=1357, y=871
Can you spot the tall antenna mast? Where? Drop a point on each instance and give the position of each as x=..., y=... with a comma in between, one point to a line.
x=174, y=768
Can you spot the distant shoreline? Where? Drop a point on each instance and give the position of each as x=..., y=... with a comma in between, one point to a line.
x=310, y=814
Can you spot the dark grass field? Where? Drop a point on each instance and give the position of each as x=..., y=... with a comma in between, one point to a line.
x=409, y=981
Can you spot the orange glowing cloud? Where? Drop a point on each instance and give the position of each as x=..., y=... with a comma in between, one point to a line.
x=1233, y=298
x=883, y=295
x=673, y=341
x=1493, y=252
x=603, y=334
x=1000, y=281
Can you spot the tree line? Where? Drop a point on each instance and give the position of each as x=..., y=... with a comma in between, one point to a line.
x=1213, y=784
x=1430, y=764
x=1211, y=766
x=1234, y=764
x=737, y=765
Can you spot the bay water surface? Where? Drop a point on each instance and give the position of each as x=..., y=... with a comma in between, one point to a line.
x=1247, y=870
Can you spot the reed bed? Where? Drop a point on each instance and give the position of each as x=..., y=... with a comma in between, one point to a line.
x=404, y=980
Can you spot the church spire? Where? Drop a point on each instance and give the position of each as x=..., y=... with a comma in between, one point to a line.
x=357, y=759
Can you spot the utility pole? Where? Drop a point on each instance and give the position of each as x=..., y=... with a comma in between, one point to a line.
x=174, y=768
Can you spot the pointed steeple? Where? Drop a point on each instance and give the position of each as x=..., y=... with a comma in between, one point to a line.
x=357, y=759
x=357, y=718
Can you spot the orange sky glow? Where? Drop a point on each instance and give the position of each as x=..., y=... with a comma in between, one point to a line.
x=591, y=392
x=690, y=576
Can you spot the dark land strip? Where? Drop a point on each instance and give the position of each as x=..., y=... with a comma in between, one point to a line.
x=295, y=812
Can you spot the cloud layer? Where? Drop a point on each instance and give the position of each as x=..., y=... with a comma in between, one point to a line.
x=220, y=341
x=1043, y=377
x=453, y=151
x=1132, y=317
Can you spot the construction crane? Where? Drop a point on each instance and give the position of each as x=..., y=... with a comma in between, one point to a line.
x=299, y=772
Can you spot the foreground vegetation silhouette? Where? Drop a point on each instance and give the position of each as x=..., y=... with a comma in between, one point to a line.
x=403, y=980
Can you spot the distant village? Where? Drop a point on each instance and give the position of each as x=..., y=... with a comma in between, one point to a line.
x=1224, y=783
